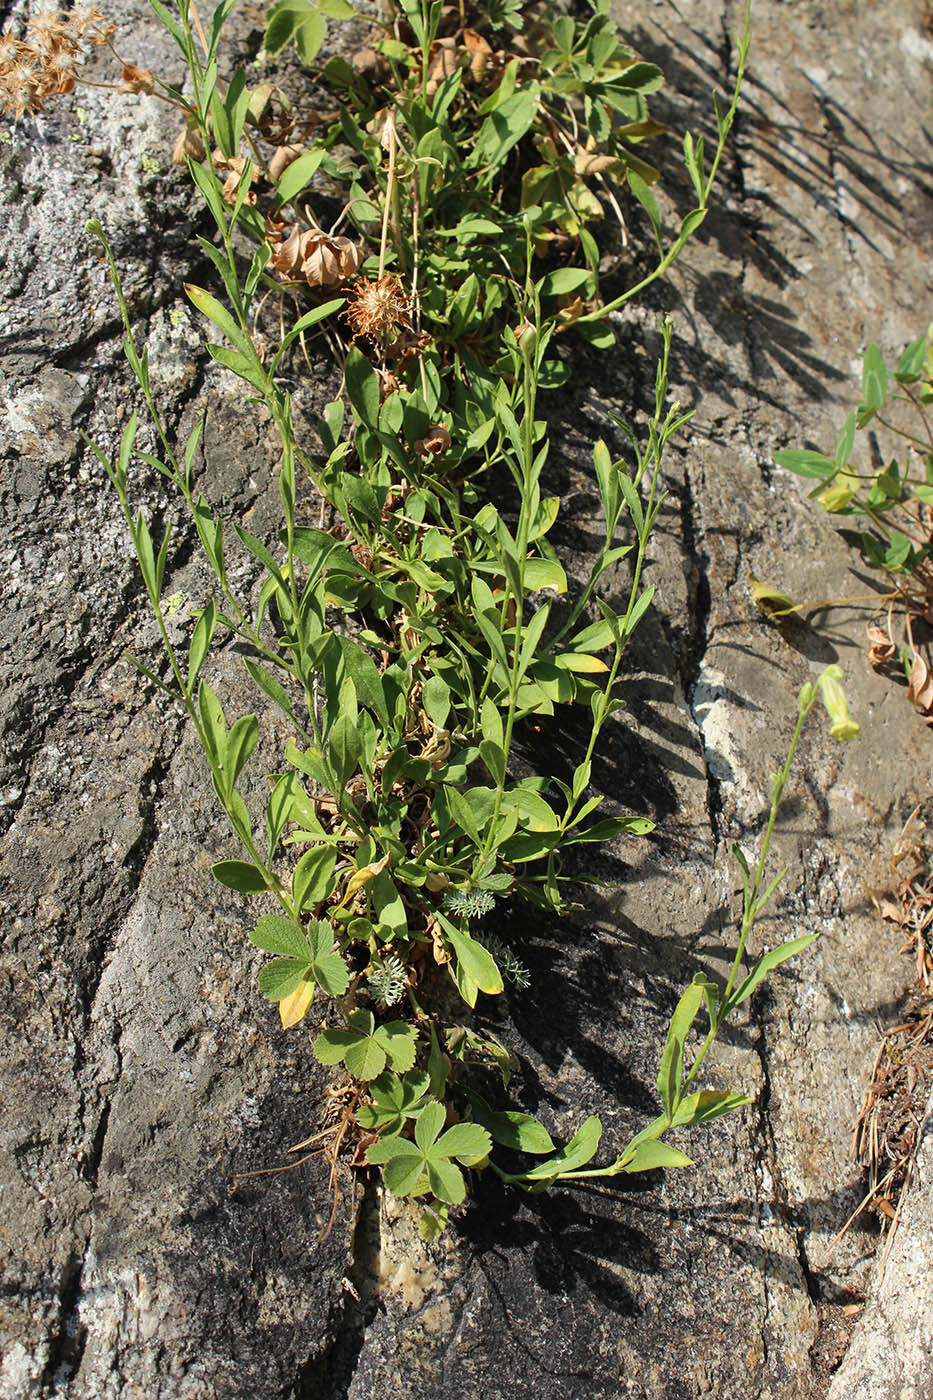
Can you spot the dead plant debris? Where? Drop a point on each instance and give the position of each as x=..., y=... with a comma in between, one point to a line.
x=887, y=1131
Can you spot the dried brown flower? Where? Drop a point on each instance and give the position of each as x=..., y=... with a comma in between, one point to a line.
x=282, y=157
x=406, y=346
x=189, y=143
x=370, y=65
x=445, y=60
x=137, y=79
x=881, y=648
x=234, y=165
x=435, y=442
x=480, y=54
x=45, y=62
x=379, y=309
x=320, y=258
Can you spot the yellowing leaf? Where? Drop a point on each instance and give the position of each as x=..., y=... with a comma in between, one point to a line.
x=295, y=1007
x=580, y=661
x=360, y=877
x=771, y=601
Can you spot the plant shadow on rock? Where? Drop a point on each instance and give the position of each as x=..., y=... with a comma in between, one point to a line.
x=721, y=310
x=262, y=1284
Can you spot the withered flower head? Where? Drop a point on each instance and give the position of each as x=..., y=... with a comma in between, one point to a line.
x=405, y=347
x=282, y=157
x=44, y=63
x=189, y=143
x=920, y=687
x=880, y=645
x=137, y=79
x=235, y=166
x=322, y=260
x=379, y=309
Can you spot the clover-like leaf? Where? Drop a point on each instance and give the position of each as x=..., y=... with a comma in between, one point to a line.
x=429, y=1163
x=365, y=1048
x=395, y=1100
x=397, y=1039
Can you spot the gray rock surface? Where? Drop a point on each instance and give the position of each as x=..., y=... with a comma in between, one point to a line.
x=891, y=1353
x=142, y=1072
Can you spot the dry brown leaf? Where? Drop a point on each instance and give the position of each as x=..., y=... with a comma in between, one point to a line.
x=920, y=688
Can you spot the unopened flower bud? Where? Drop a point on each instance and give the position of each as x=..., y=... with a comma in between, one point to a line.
x=527, y=337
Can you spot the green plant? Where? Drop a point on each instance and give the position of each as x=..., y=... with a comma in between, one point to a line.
x=895, y=500
x=405, y=649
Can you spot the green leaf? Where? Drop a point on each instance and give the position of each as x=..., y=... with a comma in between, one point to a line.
x=462, y=813
x=610, y=826
x=365, y=1058
x=767, y=964
x=638, y=611
x=344, y=749
x=435, y=697
x=362, y=388
x=201, y=639
x=580, y=1150
x=651, y=1154
x=240, y=744
x=505, y=127
x=365, y=676
x=240, y=875
x=690, y=224
x=519, y=1131
x=445, y=1180
x=494, y=759
x=564, y=281
x=210, y=307
x=314, y=879
x=304, y=323
x=330, y=970
x=170, y=23
x=544, y=573
x=238, y=364
x=468, y=1142
x=670, y=1074
x=276, y=934
x=401, y=1161
x=910, y=365
x=398, y=1041
x=388, y=904
x=845, y=443
x=269, y=685
x=293, y=180
x=812, y=464
x=707, y=1105
x=647, y=201
x=874, y=378
x=279, y=978
x=475, y=960
x=331, y=1046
